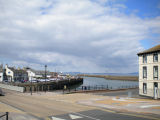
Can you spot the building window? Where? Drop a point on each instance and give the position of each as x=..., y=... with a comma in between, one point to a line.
x=144, y=58
x=145, y=72
x=155, y=57
x=144, y=88
x=155, y=72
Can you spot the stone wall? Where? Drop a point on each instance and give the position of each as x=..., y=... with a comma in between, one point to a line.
x=11, y=87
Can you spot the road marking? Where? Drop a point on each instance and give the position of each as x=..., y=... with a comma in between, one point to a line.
x=55, y=118
x=74, y=116
x=148, y=106
x=87, y=116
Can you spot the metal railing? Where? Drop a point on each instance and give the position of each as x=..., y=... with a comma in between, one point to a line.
x=5, y=115
x=97, y=87
x=105, y=87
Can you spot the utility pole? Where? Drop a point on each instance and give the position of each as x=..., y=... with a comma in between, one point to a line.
x=45, y=76
x=31, y=85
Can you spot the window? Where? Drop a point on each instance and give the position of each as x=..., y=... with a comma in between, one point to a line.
x=144, y=88
x=144, y=58
x=145, y=72
x=155, y=72
x=155, y=57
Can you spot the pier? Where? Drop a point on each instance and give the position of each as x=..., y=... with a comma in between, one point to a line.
x=49, y=85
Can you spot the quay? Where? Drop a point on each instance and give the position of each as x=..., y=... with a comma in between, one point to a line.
x=47, y=85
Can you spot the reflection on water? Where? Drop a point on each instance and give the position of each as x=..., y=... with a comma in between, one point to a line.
x=113, y=84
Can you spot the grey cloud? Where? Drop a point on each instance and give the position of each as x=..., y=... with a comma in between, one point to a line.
x=72, y=35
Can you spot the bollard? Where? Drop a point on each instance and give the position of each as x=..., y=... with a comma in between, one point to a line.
x=64, y=88
x=7, y=115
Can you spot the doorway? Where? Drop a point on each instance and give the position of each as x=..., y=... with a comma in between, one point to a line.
x=155, y=90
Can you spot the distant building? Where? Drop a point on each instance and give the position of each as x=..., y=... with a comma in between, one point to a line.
x=1, y=73
x=36, y=74
x=54, y=74
x=149, y=72
x=14, y=74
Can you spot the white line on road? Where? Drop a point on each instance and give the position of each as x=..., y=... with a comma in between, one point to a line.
x=87, y=116
x=148, y=106
x=73, y=117
x=55, y=118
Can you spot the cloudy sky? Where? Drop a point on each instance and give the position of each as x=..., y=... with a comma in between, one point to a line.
x=78, y=35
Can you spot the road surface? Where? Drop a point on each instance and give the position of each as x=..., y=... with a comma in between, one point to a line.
x=62, y=107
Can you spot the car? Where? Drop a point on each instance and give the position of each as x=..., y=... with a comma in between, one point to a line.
x=23, y=81
x=5, y=80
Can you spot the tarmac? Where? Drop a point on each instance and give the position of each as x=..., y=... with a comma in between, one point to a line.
x=41, y=105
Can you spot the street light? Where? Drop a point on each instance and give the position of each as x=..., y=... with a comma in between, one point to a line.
x=45, y=76
x=31, y=85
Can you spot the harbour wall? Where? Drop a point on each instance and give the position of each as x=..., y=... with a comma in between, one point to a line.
x=11, y=87
x=51, y=85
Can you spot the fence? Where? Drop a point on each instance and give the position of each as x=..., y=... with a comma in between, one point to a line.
x=98, y=87
x=5, y=115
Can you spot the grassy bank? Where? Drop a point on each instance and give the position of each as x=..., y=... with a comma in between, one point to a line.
x=130, y=78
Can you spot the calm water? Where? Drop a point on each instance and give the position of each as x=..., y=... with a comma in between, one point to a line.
x=113, y=84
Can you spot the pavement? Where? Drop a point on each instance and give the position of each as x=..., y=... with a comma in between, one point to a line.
x=80, y=106
x=14, y=114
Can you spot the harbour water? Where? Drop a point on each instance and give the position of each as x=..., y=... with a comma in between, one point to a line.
x=110, y=84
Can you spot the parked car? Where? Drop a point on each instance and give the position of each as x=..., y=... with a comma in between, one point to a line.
x=23, y=81
x=5, y=80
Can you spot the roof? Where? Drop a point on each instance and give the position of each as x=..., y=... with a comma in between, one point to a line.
x=151, y=50
x=17, y=70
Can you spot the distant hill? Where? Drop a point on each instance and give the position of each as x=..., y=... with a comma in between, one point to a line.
x=113, y=74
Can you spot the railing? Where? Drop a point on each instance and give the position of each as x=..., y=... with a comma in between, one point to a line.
x=5, y=115
x=104, y=87
x=97, y=87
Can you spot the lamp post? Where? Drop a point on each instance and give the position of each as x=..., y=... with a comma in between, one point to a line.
x=31, y=85
x=45, y=76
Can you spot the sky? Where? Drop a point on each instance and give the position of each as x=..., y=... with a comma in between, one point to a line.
x=94, y=36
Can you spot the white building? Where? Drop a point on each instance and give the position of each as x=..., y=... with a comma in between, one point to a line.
x=31, y=75
x=9, y=73
x=14, y=74
x=36, y=74
x=149, y=72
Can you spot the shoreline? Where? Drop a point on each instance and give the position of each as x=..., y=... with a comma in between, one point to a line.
x=127, y=78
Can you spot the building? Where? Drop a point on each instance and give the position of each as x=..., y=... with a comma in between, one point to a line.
x=37, y=74
x=31, y=74
x=54, y=74
x=14, y=74
x=149, y=72
x=1, y=73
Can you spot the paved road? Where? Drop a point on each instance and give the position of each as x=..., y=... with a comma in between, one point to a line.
x=96, y=115
x=58, y=108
